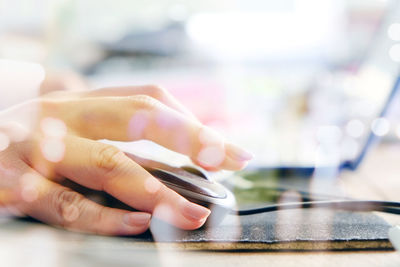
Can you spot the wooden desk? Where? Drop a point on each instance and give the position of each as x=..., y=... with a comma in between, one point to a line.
x=39, y=245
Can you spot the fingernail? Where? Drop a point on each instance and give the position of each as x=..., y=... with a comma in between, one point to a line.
x=239, y=154
x=136, y=219
x=211, y=156
x=194, y=212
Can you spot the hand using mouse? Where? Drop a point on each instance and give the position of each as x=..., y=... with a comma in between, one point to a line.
x=54, y=137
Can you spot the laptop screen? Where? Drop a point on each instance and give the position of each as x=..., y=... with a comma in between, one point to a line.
x=343, y=109
x=371, y=90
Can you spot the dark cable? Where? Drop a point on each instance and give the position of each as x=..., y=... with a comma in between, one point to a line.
x=348, y=205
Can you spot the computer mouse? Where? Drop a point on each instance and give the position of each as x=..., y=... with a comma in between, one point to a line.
x=196, y=186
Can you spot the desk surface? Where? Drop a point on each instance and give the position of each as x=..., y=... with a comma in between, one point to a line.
x=25, y=244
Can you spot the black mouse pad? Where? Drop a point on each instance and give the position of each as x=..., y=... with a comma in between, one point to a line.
x=302, y=230
x=299, y=230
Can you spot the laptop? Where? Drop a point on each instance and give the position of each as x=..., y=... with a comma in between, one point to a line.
x=376, y=83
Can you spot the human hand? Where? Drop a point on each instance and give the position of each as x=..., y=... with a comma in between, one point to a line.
x=63, y=81
x=52, y=137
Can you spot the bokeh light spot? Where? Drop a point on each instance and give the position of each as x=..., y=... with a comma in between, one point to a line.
x=394, y=31
x=70, y=213
x=355, y=128
x=29, y=187
x=53, y=150
x=151, y=185
x=164, y=212
x=380, y=126
x=138, y=124
x=53, y=128
x=165, y=120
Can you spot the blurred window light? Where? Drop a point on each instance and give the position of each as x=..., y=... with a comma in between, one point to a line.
x=380, y=126
x=330, y=134
x=309, y=25
x=366, y=85
x=394, y=32
x=355, y=128
x=394, y=52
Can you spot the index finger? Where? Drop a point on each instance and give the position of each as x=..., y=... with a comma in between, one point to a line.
x=154, y=91
x=142, y=117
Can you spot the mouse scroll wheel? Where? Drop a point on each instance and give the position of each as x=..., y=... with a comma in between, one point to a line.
x=196, y=172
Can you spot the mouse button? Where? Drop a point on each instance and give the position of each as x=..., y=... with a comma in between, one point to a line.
x=204, y=187
x=189, y=190
x=196, y=172
x=218, y=190
x=197, y=191
x=165, y=176
x=172, y=181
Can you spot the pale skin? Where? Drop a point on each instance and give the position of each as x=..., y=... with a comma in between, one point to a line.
x=53, y=137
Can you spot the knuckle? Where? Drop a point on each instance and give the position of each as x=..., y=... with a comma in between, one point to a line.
x=156, y=91
x=162, y=196
x=106, y=158
x=145, y=102
x=55, y=94
x=64, y=201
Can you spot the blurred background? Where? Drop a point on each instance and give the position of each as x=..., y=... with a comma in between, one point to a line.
x=285, y=79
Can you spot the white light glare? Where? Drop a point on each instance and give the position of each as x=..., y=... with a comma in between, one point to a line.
x=394, y=31
x=355, y=128
x=380, y=126
x=329, y=134
x=251, y=33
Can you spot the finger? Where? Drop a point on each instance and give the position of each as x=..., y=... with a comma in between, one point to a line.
x=227, y=163
x=103, y=167
x=57, y=205
x=142, y=117
x=154, y=91
x=7, y=197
